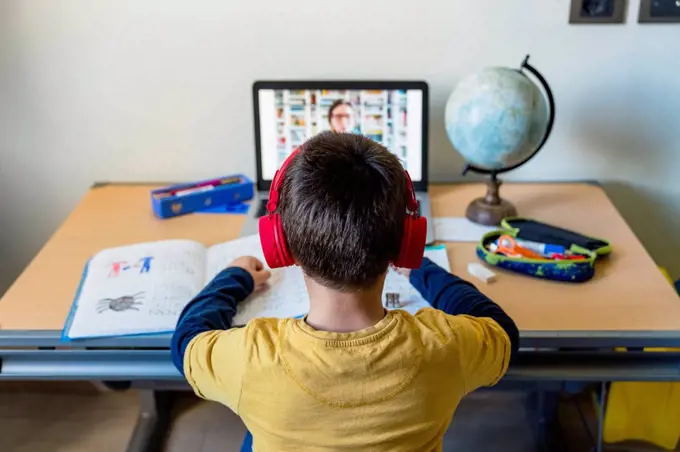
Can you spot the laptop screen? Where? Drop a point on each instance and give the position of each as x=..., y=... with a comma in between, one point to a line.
x=391, y=113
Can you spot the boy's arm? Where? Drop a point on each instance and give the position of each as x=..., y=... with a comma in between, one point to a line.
x=456, y=296
x=204, y=348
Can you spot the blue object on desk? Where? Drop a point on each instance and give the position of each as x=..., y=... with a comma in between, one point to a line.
x=193, y=197
x=240, y=208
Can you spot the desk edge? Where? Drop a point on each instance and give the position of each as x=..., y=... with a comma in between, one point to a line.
x=99, y=184
x=528, y=339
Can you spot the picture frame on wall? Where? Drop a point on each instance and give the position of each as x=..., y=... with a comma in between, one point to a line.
x=597, y=12
x=659, y=11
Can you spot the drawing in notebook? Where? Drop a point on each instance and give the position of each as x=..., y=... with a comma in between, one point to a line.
x=146, y=264
x=142, y=288
x=143, y=264
x=123, y=303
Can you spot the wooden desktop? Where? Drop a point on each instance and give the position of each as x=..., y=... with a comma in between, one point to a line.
x=628, y=293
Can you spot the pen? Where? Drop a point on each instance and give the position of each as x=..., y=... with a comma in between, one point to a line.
x=542, y=248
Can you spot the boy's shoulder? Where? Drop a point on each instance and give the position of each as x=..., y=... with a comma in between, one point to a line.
x=262, y=338
x=436, y=317
x=266, y=327
x=430, y=317
x=437, y=327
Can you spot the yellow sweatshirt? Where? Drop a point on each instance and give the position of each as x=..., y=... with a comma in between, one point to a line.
x=392, y=387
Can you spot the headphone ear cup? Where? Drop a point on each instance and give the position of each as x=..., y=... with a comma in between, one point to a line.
x=412, y=243
x=273, y=242
x=268, y=241
x=280, y=240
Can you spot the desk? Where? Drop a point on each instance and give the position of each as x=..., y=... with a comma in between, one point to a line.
x=629, y=303
x=629, y=296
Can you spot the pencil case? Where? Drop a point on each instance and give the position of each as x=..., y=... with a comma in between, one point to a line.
x=192, y=197
x=584, y=248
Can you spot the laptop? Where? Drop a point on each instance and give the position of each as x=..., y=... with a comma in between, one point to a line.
x=287, y=113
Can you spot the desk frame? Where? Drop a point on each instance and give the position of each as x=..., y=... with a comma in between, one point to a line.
x=544, y=356
x=146, y=363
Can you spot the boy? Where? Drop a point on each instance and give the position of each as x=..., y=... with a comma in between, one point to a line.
x=349, y=376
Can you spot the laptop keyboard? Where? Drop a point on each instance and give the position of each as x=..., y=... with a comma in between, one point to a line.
x=261, y=208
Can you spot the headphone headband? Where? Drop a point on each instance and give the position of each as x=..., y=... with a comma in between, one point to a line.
x=411, y=201
x=277, y=181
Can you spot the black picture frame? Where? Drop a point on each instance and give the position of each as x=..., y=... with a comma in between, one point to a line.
x=264, y=185
x=617, y=16
x=646, y=16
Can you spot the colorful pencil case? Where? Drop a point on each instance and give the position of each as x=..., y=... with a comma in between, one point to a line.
x=581, y=251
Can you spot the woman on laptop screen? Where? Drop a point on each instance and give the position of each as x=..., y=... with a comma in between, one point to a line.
x=341, y=116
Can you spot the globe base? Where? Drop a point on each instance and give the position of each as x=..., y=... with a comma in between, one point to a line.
x=491, y=209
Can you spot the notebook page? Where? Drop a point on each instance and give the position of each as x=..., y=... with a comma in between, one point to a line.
x=138, y=289
x=221, y=255
x=285, y=294
x=410, y=299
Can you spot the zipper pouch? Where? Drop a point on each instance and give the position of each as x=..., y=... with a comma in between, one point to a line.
x=541, y=250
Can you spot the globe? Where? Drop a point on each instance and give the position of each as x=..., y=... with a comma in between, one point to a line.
x=498, y=119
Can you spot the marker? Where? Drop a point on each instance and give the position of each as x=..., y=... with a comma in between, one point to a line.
x=205, y=186
x=192, y=190
x=200, y=187
x=568, y=257
x=545, y=249
x=225, y=181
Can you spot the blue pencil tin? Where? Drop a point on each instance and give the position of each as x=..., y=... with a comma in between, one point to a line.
x=192, y=197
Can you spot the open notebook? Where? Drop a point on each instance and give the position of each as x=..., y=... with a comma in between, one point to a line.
x=142, y=288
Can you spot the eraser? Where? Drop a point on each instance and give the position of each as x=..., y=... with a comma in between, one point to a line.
x=481, y=272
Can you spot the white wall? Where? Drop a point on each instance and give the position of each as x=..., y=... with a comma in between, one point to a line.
x=136, y=90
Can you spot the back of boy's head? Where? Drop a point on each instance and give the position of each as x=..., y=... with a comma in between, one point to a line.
x=342, y=206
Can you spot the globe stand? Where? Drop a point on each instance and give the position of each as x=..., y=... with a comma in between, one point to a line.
x=491, y=209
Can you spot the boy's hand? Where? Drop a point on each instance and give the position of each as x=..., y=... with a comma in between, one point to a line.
x=253, y=266
x=402, y=271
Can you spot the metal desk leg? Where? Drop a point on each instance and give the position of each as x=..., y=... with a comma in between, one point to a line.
x=542, y=417
x=152, y=423
x=600, y=418
x=542, y=433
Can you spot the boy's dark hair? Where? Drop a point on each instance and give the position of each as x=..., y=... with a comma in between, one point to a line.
x=335, y=105
x=342, y=206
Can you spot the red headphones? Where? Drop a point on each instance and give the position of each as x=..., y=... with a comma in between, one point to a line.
x=273, y=239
